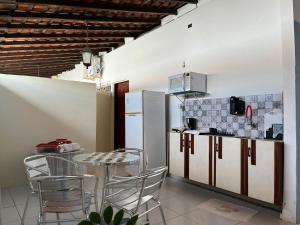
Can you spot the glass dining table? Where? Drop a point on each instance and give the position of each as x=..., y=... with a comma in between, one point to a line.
x=107, y=160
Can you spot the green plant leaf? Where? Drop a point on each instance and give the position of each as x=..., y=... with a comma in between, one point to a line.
x=119, y=217
x=95, y=217
x=85, y=222
x=133, y=220
x=108, y=214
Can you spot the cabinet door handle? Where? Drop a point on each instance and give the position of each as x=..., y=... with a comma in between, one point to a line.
x=252, y=152
x=191, y=145
x=217, y=147
x=220, y=152
x=181, y=142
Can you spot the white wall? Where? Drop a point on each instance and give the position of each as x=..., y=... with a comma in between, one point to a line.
x=35, y=110
x=246, y=47
x=238, y=42
x=75, y=74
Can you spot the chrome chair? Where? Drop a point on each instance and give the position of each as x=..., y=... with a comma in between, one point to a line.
x=132, y=198
x=62, y=194
x=37, y=166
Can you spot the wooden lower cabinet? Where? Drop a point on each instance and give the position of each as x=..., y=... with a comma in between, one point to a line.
x=253, y=168
x=264, y=172
x=200, y=167
x=176, y=155
x=228, y=163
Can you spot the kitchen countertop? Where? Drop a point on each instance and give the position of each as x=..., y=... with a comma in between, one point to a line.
x=195, y=132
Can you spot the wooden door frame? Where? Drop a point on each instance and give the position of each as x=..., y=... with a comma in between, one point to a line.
x=115, y=112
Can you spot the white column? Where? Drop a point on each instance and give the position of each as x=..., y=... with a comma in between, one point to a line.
x=0, y=207
x=291, y=98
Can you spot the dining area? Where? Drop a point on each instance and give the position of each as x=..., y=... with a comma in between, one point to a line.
x=79, y=183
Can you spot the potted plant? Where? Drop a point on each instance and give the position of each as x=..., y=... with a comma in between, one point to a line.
x=108, y=218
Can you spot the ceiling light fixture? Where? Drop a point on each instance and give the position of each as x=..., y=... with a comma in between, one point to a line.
x=86, y=51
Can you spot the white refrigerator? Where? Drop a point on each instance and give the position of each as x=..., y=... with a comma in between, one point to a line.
x=145, y=125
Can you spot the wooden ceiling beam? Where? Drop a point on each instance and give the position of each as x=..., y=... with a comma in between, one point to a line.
x=41, y=58
x=48, y=36
x=58, y=69
x=69, y=28
x=98, y=48
x=38, y=53
x=31, y=63
x=36, y=73
x=112, y=7
x=35, y=70
x=80, y=18
x=58, y=42
x=41, y=67
x=5, y=61
x=37, y=58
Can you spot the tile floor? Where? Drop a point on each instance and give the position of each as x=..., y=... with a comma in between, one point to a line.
x=180, y=201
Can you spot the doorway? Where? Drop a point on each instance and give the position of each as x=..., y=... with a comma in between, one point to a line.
x=120, y=90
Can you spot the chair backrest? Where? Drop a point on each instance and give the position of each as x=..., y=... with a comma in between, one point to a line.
x=61, y=194
x=153, y=181
x=46, y=165
x=143, y=163
x=36, y=166
x=142, y=188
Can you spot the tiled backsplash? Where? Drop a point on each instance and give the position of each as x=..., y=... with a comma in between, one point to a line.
x=214, y=112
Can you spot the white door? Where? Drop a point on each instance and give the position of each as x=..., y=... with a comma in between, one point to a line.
x=261, y=176
x=176, y=166
x=199, y=161
x=134, y=102
x=134, y=131
x=228, y=168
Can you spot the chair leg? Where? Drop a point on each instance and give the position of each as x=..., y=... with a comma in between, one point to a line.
x=162, y=215
x=147, y=215
x=41, y=219
x=58, y=218
x=96, y=195
x=25, y=208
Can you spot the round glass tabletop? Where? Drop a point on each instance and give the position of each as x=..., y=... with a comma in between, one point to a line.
x=107, y=158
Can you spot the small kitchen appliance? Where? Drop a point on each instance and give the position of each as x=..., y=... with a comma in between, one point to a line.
x=191, y=123
x=237, y=106
x=188, y=83
x=273, y=124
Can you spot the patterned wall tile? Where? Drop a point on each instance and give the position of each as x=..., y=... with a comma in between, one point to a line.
x=215, y=112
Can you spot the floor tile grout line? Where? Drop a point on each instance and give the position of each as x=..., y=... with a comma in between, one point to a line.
x=15, y=205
